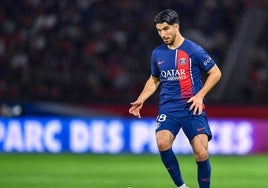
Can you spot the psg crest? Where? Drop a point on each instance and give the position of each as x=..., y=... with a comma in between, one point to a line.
x=183, y=61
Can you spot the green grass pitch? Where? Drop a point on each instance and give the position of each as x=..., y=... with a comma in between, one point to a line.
x=124, y=171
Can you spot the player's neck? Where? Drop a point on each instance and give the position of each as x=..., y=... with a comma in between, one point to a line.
x=177, y=43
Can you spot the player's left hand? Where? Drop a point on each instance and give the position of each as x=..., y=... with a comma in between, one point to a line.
x=197, y=104
x=136, y=107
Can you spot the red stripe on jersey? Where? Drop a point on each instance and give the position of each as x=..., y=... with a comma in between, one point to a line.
x=184, y=71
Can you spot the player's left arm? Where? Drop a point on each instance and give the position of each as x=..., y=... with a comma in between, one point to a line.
x=214, y=75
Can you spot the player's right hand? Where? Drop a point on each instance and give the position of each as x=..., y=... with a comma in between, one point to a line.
x=136, y=107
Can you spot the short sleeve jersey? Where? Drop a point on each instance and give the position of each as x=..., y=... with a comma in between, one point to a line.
x=180, y=73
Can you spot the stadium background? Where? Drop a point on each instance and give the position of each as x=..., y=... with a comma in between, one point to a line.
x=70, y=68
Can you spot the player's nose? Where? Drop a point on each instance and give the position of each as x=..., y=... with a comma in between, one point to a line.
x=162, y=34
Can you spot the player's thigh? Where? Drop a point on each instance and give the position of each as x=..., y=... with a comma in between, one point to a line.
x=199, y=145
x=164, y=139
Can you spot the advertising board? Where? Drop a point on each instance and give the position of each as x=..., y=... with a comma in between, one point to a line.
x=123, y=135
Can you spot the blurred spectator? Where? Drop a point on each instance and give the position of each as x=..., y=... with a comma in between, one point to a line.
x=96, y=50
x=10, y=111
x=255, y=88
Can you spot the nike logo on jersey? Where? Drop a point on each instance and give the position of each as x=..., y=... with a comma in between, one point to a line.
x=200, y=129
x=160, y=62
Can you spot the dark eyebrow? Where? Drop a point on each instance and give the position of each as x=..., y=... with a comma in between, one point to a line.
x=164, y=28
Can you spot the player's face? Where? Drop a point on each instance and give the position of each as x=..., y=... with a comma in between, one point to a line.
x=167, y=32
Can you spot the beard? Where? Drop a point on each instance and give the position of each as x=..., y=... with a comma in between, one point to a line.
x=169, y=40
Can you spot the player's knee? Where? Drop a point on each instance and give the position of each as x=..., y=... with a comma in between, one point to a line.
x=164, y=140
x=163, y=145
x=201, y=155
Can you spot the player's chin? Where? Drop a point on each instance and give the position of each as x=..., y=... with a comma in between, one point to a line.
x=167, y=42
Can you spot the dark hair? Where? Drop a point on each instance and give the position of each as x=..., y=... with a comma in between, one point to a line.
x=168, y=15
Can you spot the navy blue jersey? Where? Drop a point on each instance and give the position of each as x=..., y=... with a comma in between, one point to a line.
x=180, y=73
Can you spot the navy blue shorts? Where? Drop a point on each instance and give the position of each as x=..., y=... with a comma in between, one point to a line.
x=191, y=125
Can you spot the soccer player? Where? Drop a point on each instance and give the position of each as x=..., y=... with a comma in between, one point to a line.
x=177, y=65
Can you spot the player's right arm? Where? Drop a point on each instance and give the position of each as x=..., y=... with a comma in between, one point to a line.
x=149, y=88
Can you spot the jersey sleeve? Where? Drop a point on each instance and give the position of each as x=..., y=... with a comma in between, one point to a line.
x=154, y=67
x=203, y=60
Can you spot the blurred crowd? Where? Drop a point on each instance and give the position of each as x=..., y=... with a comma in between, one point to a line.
x=98, y=51
x=255, y=87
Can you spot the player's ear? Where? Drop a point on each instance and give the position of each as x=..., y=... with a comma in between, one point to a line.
x=176, y=25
